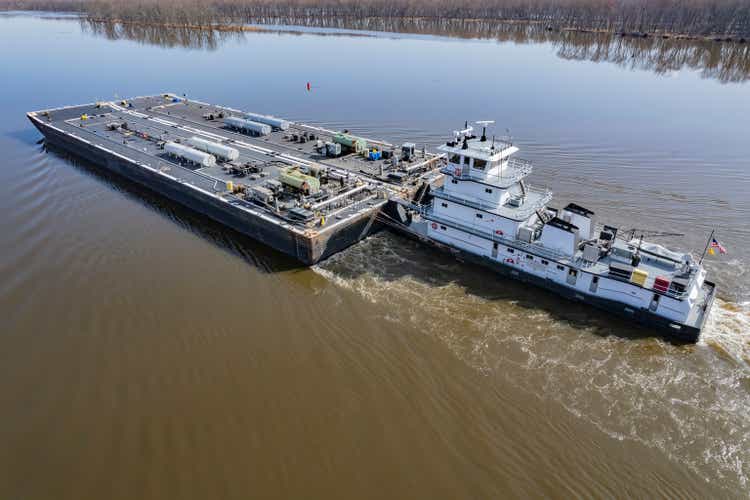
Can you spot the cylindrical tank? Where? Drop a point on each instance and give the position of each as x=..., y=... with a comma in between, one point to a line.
x=190, y=154
x=247, y=125
x=268, y=120
x=353, y=143
x=215, y=148
x=296, y=179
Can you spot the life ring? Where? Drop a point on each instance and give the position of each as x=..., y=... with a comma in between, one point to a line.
x=457, y=171
x=509, y=261
x=434, y=225
x=499, y=232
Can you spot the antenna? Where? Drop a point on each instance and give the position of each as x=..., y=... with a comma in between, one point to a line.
x=510, y=137
x=465, y=132
x=484, y=124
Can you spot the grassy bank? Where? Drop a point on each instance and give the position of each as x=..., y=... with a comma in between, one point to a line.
x=713, y=19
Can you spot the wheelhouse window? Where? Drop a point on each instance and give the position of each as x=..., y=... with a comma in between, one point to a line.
x=455, y=159
x=479, y=164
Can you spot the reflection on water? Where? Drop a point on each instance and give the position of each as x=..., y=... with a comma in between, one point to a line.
x=163, y=36
x=725, y=62
x=254, y=253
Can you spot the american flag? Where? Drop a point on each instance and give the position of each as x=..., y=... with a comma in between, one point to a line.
x=715, y=244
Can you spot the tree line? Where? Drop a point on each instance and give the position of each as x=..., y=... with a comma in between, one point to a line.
x=704, y=18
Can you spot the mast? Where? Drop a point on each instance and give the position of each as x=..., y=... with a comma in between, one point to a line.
x=708, y=242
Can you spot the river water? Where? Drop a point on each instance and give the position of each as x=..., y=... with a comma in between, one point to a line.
x=146, y=352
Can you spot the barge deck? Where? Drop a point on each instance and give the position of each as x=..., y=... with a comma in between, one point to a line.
x=284, y=186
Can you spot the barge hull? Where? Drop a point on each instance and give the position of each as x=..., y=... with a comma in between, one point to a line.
x=308, y=249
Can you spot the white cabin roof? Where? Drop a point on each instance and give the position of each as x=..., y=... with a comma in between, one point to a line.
x=481, y=149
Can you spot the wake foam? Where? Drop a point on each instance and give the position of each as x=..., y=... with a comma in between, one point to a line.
x=692, y=402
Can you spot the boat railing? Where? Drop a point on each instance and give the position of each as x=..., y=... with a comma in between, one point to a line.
x=517, y=213
x=669, y=292
x=666, y=264
x=513, y=243
x=516, y=170
x=533, y=248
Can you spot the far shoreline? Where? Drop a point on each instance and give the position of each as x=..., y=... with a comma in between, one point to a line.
x=260, y=28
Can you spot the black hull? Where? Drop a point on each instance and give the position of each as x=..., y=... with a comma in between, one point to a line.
x=667, y=328
x=308, y=250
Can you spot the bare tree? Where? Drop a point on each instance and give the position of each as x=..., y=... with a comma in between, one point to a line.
x=707, y=18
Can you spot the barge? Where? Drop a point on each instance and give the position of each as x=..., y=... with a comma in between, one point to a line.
x=310, y=192
x=304, y=190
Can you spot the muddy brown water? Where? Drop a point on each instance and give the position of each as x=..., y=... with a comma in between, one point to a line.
x=146, y=352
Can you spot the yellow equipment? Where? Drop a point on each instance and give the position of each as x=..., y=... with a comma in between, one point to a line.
x=639, y=277
x=294, y=178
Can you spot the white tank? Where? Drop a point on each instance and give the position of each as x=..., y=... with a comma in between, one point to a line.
x=247, y=125
x=215, y=148
x=188, y=153
x=268, y=120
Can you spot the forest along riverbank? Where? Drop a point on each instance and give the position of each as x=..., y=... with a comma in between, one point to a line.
x=720, y=20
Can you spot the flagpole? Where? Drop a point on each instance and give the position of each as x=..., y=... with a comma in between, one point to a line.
x=708, y=242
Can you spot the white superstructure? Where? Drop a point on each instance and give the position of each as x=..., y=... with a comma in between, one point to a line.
x=485, y=209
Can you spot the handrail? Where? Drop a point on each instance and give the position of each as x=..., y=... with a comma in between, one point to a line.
x=533, y=248
x=517, y=244
x=517, y=170
x=520, y=213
